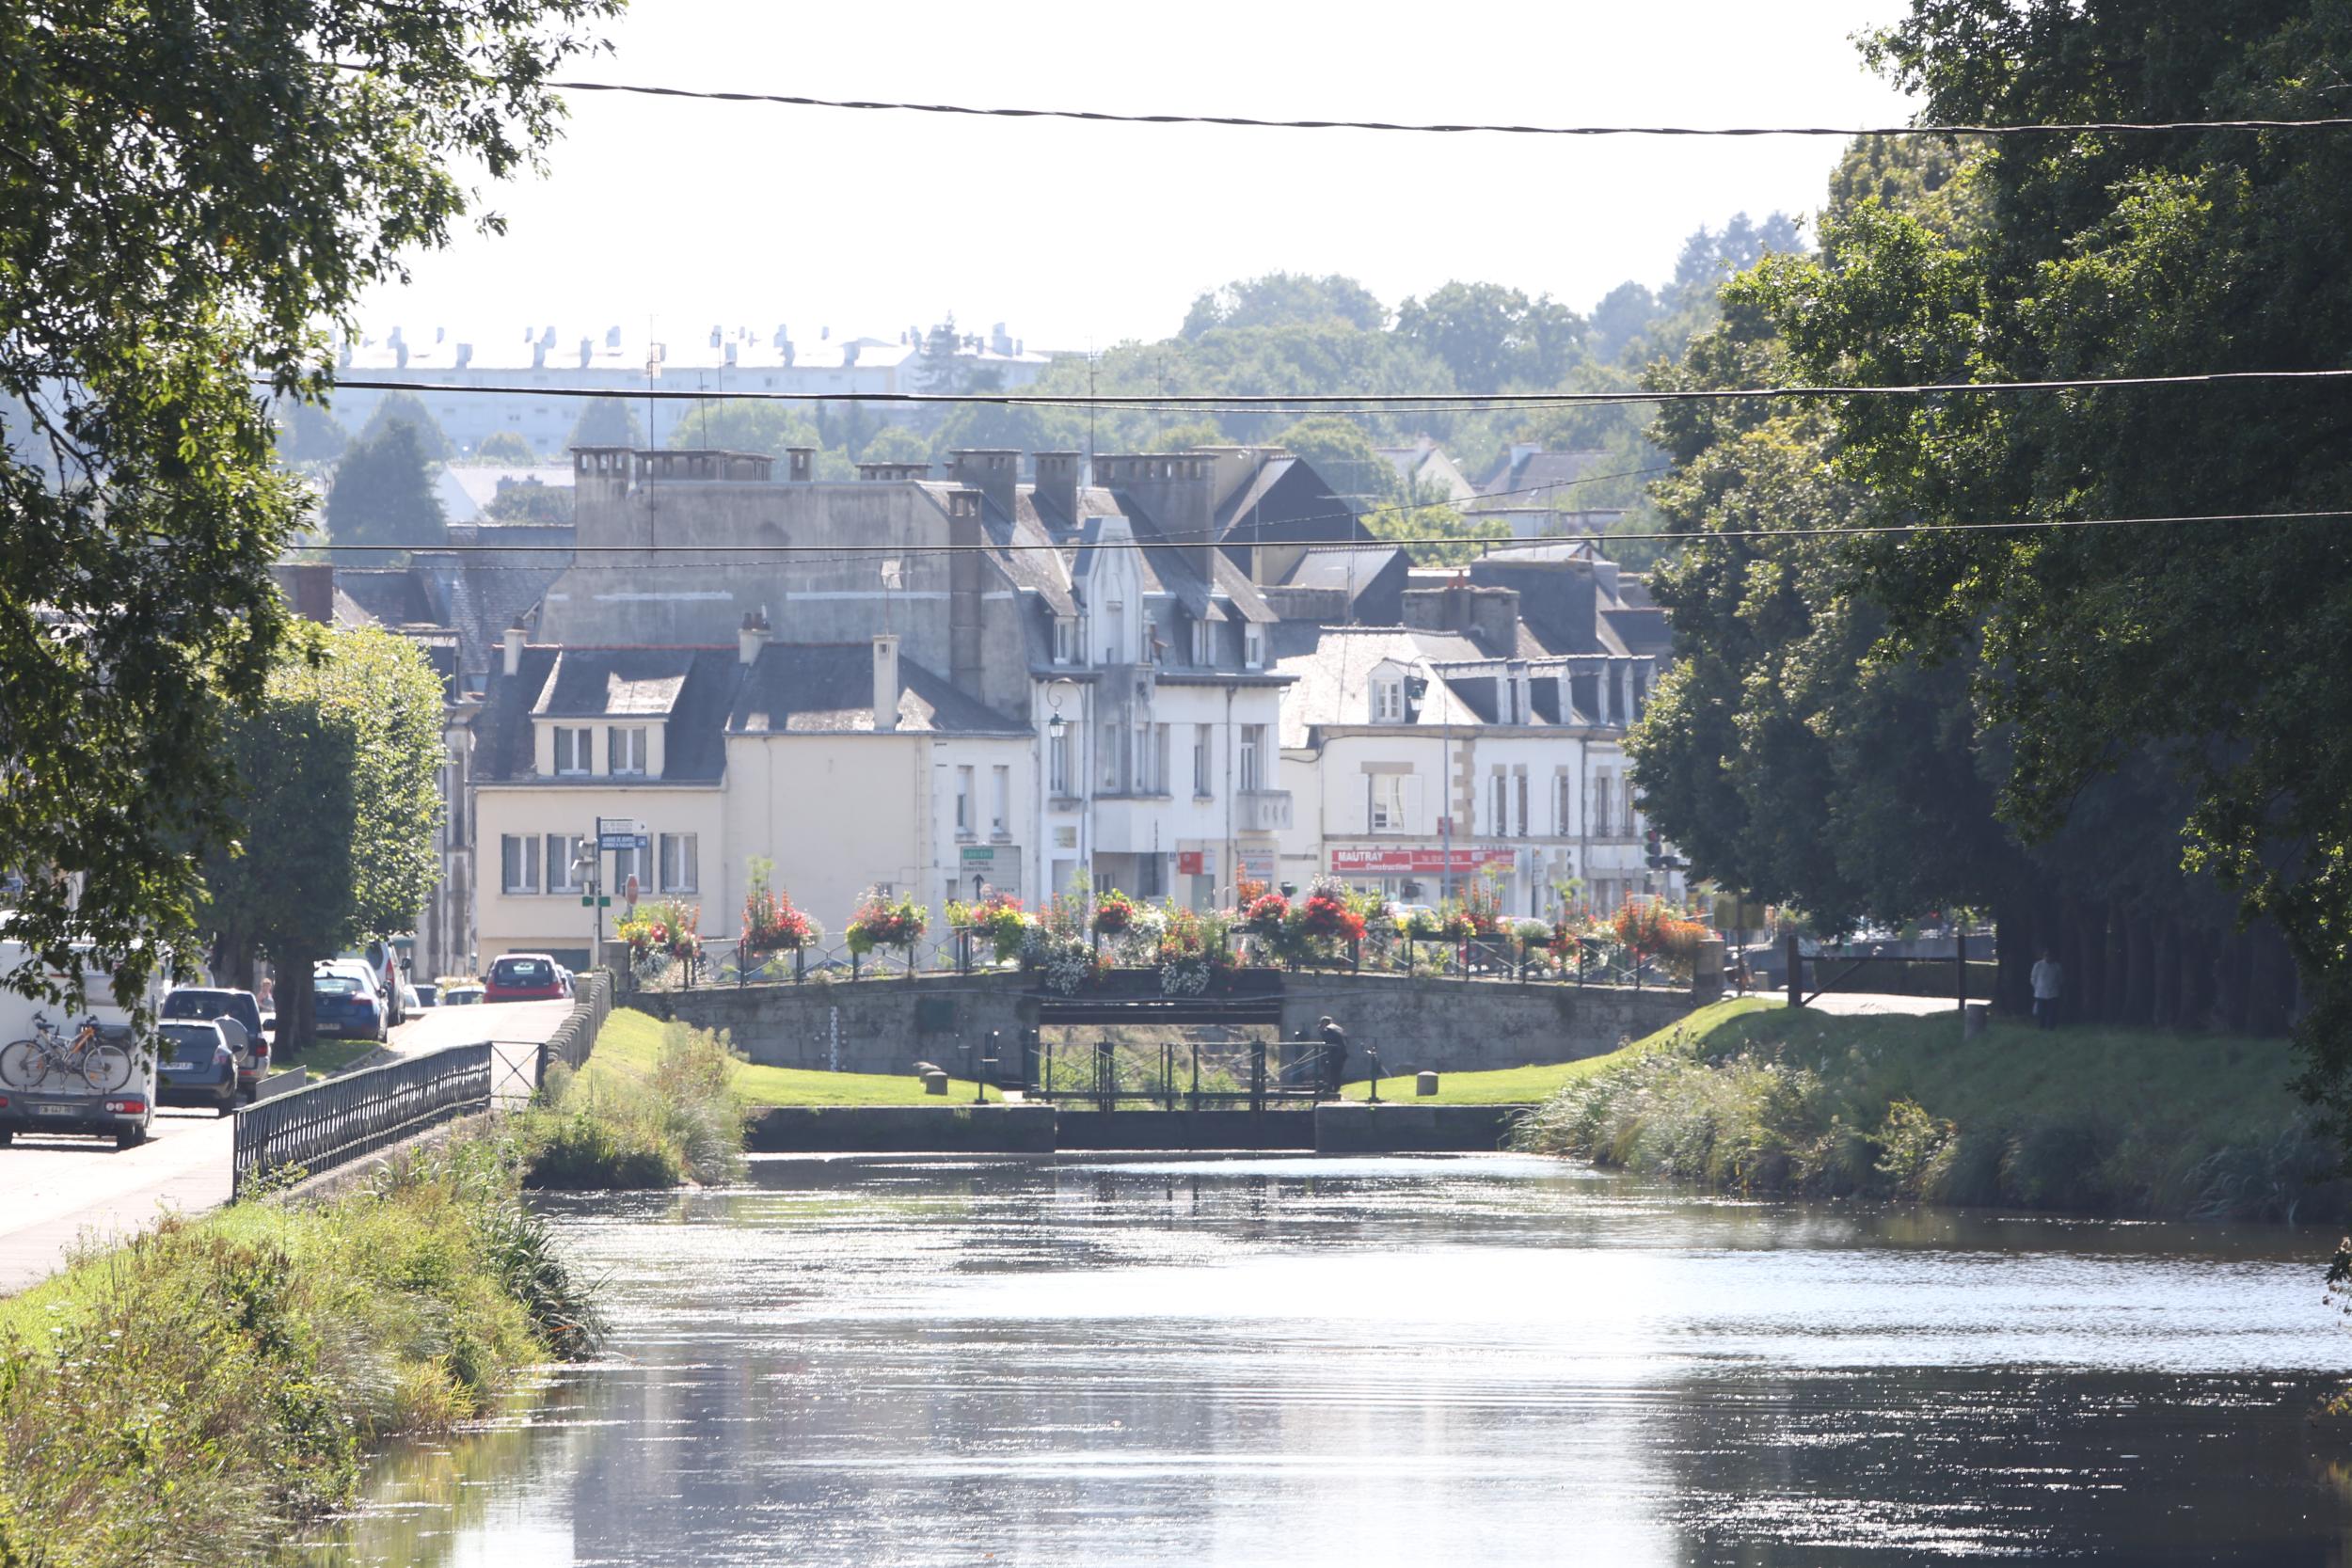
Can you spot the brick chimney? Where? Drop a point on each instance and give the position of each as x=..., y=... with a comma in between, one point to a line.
x=1491, y=615
x=886, y=681
x=312, y=588
x=800, y=464
x=515, y=634
x=1057, y=487
x=994, y=471
x=1174, y=491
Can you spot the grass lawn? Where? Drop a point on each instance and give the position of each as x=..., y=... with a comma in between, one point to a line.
x=1525, y=1085
x=326, y=1057
x=630, y=1044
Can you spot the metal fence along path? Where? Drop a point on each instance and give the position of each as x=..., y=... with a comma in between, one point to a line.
x=346, y=1118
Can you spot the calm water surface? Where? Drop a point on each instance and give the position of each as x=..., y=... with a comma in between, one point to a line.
x=1300, y=1361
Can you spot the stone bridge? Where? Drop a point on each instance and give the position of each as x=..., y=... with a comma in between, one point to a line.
x=1451, y=1025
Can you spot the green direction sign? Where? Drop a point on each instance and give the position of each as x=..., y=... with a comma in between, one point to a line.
x=601, y=902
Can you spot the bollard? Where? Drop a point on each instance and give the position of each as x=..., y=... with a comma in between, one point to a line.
x=1425, y=1083
x=935, y=1082
x=1975, y=1019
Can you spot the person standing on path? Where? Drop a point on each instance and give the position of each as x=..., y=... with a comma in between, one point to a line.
x=2049, y=980
x=1334, y=1056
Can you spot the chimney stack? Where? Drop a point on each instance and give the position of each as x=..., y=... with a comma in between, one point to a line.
x=800, y=464
x=1172, y=489
x=886, y=681
x=754, y=635
x=994, y=471
x=893, y=473
x=514, y=647
x=1057, y=488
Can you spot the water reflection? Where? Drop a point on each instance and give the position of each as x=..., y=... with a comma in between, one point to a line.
x=1427, y=1361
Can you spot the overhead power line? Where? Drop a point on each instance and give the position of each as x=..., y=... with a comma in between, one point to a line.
x=2126, y=127
x=1486, y=545
x=1431, y=401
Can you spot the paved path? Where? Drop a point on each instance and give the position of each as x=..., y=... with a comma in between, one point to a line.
x=56, y=1190
x=1857, y=1002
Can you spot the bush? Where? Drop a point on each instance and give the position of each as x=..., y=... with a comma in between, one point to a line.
x=610, y=1129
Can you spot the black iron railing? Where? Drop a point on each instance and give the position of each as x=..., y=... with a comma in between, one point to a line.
x=349, y=1117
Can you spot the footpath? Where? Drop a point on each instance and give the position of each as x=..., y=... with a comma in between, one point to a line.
x=60, y=1193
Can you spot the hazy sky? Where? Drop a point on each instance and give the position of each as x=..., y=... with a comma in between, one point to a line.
x=698, y=212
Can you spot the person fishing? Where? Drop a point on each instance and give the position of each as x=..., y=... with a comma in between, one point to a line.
x=1334, y=1056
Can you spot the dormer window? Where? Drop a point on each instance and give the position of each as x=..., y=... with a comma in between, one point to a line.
x=624, y=751
x=1065, y=639
x=1388, y=700
x=1253, y=646
x=1203, y=643
x=575, y=752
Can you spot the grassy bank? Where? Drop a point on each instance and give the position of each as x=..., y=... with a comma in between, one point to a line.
x=629, y=1050
x=182, y=1398
x=1752, y=1098
x=657, y=1105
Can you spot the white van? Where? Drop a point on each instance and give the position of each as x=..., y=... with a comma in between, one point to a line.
x=60, y=1103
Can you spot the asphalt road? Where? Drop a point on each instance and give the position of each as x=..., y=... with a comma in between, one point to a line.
x=55, y=1192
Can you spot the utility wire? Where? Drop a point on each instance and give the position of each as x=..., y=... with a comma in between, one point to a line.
x=1427, y=402
x=1486, y=545
x=2126, y=127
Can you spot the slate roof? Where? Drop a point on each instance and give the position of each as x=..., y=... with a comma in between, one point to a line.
x=390, y=597
x=597, y=683
x=1532, y=480
x=828, y=688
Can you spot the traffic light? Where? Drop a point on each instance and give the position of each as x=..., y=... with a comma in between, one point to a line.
x=1654, y=849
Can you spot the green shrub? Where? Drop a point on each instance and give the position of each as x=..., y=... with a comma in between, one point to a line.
x=177, y=1400
x=610, y=1129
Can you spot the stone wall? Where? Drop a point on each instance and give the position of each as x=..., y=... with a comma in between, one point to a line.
x=860, y=1026
x=1460, y=1026
x=1449, y=1026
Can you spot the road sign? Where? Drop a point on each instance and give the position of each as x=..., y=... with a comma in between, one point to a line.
x=619, y=835
x=602, y=901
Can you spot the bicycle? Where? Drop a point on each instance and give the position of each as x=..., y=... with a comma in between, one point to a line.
x=27, y=1064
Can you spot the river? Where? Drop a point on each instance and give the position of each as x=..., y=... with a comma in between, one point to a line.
x=1482, y=1360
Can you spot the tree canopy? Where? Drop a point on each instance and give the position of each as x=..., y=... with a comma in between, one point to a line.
x=606, y=422
x=383, y=494
x=189, y=204
x=1286, y=299
x=337, y=809
x=1493, y=337
x=407, y=408
x=506, y=447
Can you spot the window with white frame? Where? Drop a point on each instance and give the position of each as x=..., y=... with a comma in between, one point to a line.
x=1563, y=801
x=681, y=863
x=1159, y=759
x=1203, y=643
x=1498, y=818
x=1520, y=780
x=1247, y=764
x=963, y=801
x=1392, y=802
x=624, y=751
x=1115, y=632
x=1253, y=645
x=518, y=857
x=1000, y=801
x=630, y=863
x=1388, y=700
x=575, y=751
x=1057, y=760
x=1201, y=765
x=1065, y=639
x=566, y=872
x=1106, y=744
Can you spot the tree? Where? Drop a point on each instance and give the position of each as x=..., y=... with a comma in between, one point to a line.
x=337, y=811
x=1286, y=299
x=190, y=204
x=307, y=433
x=2220, y=654
x=407, y=408
x=505, y=447
x=748, y=424
x=529, y=502
x=383, y=494
x=606, y=422
x=1337, y=448
x=895, y=443
x=1491, y=337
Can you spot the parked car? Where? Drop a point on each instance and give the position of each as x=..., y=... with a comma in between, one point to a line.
x=382, y=962
x=198, y=1064
x=244, y=1009
x=564, y=979
x=428, y=994
x=466, y=994
x=347, y=1006
x=409, y=1002
x=64, y=1102
x=523, y=978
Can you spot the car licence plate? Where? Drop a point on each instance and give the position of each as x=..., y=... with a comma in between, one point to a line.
x=53, y=1110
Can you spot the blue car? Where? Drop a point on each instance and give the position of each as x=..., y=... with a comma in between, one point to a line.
x=346, y=1006
x=198, y=1066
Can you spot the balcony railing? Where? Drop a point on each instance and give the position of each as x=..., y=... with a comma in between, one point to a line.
x=1261, y=810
